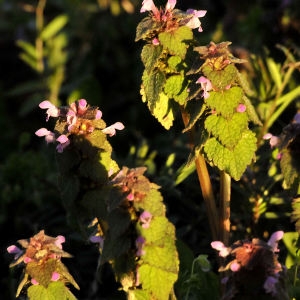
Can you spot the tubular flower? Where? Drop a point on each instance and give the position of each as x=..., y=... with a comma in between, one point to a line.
x=49, y=136
x=111, y=130
x=76, y=119
x=52, y=110
x=254, y=269
x=205, y=85
x=194, y=21
x=145, y=219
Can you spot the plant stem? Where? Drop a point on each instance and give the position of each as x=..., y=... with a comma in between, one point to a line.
x=205, y=185
x=225, y=194
x=39, y=42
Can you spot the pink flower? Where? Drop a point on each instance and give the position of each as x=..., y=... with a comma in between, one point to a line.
x=235, y=266
x=155, y=41
x=13, y=249
x=205, y=85
x=130, y=197
x=111, y=130
x=241, y=108
x=140, y=241
x=55, y=276
x=274, y=140
x=269, y=285
x=274, y=239
x=63, y=143
x=52, y=110
x=97, y=239
x=296, y=118
x=148, y=5
x=27, y=259
x=59, y=240
x=34, y=281
x=145, y=219
x=195, y=22
x=219, y=246
x=49, y=136
x=170, y=4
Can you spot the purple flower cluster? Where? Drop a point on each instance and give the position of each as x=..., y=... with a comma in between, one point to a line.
x=252, y=260
x=166, y=16
x=79, y=117
x=39, y=249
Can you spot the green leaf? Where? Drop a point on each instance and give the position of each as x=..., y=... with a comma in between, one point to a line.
x=159, y=232
x=153, y=83
x=175, y=87
x=225, y=102
x=55, y=290
x=227, y=131
x=251, y=111
x=195, y=109
x=27, y=48
x=64, y=272
x=150, y=54
x=296, y=213
x=290, y=167
x=220, y=79
x=146, y=28
x=38, y=292
x=42, y=273
x=164, y=111
x=54, y=27
x=176, y=40
x=159, y=282
x=138, y=295
x=233, y=162
x=174, y=62
x=59, y=291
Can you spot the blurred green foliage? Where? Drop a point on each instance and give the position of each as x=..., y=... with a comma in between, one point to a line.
x=74, y=49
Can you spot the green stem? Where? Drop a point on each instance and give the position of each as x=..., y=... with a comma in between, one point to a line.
x=225, y=194
x=39, y=42
x=205, y=185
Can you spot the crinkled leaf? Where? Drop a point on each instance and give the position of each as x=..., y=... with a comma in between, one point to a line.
x=60, y=291
x=176, y=88
x=150, y=54
x=159, y=232
x=92, y=170
x=69, y=188
x=296, y=213
x=55, y=290
x=152, y=202
x=227, y=131
x=251, y=111
x=119, y=221
x=95, y=202
x=290, y=167
x=225, y=103
x=39, y=292
x=64, y=272
x=146, y=28
x=164, y=111
x=174, y=63
x=233, y=162
x=157, y=281
x=195, y=109
x=115, y=247
x=220, y=79
x=152, y=84
x=138, y=295
x=176, y=40
x=42, y=273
